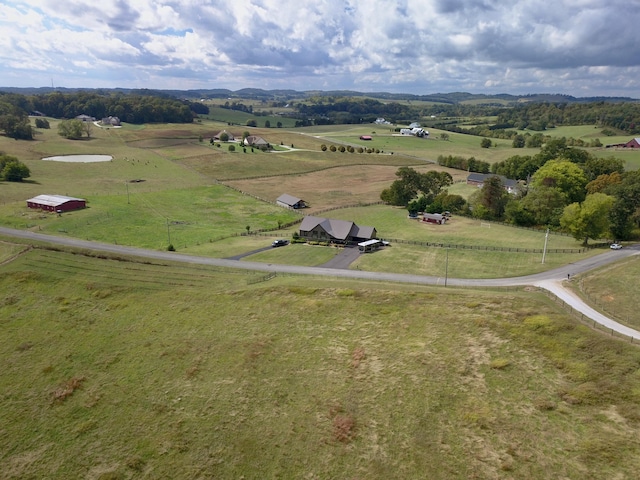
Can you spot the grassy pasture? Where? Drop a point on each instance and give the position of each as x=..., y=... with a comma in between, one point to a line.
x=613, y=289
x=174, y=173
x=425, y=148
x=392, y=222
x=630, y=156
x=460, y=263
x=237, y=117
x=125, y=370
x=239, y=165
x=296, y=254
x=334, y=187
x=187, y=217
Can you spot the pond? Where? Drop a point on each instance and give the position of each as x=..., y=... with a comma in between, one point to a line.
x=79, y=158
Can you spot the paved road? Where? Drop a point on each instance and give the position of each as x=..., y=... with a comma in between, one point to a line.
x=550, y=280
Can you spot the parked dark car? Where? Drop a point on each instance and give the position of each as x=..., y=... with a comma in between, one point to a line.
x=280, y=243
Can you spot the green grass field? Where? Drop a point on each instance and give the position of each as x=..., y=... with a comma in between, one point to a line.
x=613, y=290
x=161, y=187
x=116, y=370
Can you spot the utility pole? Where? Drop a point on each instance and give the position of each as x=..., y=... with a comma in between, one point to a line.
x=127, y=185
x=168, y=232
x=446, y=268
x=546, y=239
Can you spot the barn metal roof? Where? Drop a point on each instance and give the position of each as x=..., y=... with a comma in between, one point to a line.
x=53, y=200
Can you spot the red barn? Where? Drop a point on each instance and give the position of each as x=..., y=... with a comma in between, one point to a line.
x=633, y=143
x=56, y=203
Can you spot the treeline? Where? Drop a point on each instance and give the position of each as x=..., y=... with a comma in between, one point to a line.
x=533, y=116
x=132, y=108
x=562, y=187
x=623, y=116
x=470, y=164
x=323, y=110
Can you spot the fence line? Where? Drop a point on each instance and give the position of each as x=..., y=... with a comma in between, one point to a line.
x=602, y=306
x=485, y=248
x=262, y=278
x=584, y=319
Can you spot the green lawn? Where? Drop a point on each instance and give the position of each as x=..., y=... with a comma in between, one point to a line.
x=296, y=254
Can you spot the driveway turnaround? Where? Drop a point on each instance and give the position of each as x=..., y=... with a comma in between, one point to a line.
x=550, y=280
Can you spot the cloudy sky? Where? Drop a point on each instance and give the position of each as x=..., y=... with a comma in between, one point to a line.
x=576, y=47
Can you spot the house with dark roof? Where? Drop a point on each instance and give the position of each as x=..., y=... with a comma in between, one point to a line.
x=289, y=201
x=331, y=230
x=111, y=120
x=85, y=118
x=478, y=180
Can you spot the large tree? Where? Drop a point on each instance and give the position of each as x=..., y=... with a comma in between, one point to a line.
x=594, y=167
x=625, y=214
x=399, y=194
x=564, y=175
x=71, y=129
x=410, y=183
x=12, y=169
x=545, y=205
x=589, y=219
x=16, y=126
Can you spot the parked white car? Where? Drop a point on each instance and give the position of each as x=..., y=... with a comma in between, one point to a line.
x=615, y=246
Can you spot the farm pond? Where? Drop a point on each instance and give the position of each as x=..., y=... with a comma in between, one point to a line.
x=79, y=158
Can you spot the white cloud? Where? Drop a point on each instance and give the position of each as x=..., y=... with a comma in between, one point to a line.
x=422, y=45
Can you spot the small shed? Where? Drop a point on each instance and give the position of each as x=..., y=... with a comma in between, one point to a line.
x=434, y=218
x=366, y=137
x=289, y=201
x=56, y=203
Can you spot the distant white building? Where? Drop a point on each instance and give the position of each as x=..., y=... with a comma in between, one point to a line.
x=382, y=121
x=415, y=131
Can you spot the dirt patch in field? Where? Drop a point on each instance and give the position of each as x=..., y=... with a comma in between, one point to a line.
x=329, y=188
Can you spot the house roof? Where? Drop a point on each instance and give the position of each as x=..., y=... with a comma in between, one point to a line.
x=288, y=199
x=362, y=232
x=339, y=229
x=53, y=200
x=481, y=177
x=255, y=140
x=217, y=136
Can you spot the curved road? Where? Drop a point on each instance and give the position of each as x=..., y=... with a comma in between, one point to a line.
x=550, y=280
